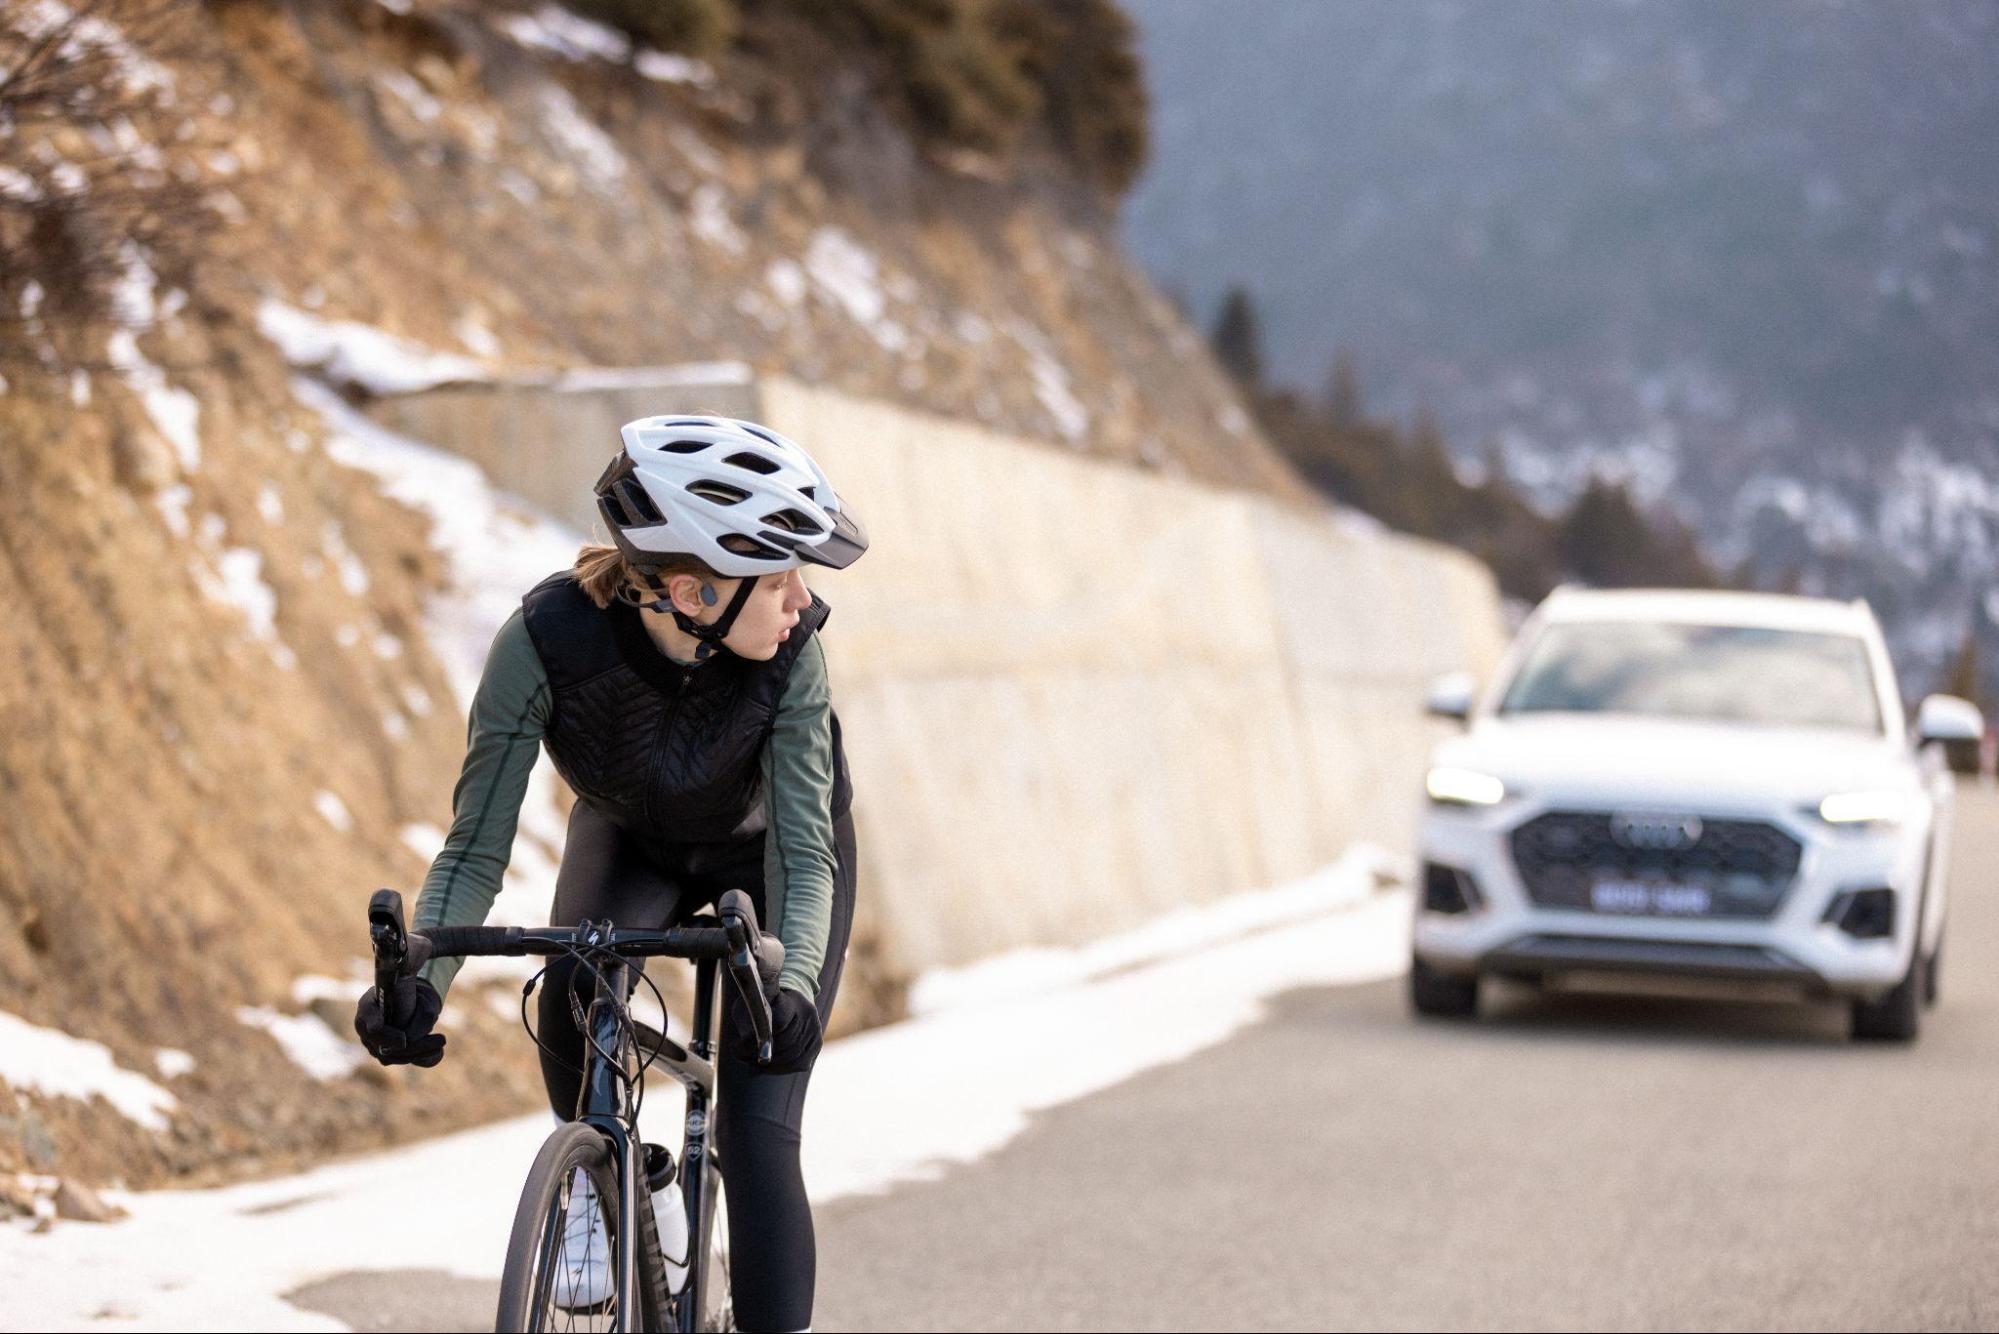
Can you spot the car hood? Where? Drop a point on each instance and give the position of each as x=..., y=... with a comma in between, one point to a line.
x=1625, y=758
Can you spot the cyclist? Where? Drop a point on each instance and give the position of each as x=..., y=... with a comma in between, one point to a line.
x=677, y=682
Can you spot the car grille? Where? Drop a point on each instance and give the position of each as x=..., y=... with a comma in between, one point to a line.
x=1743, y=865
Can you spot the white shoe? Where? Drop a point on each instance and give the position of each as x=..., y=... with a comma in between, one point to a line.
x=583, y=1266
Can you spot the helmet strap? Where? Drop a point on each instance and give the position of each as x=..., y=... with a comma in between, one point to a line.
x=713, y=634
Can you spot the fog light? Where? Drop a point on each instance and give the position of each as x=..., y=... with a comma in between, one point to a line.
x=1864, y=914
x=1446, y=889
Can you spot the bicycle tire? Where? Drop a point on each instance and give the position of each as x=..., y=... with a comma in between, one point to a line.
x=718, y=1303
x=529, y=1283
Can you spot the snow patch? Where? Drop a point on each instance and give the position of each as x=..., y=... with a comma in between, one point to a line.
x=359, y=354
x=708, y=215
x=347, y=566
x=425, y=840
x=786, y=281
x=270, y=505
x=238, y=583
x=520, y=187
x=411, y=94
x=560, y=32
x=333, y=810
x=845, y=272
x=1051, y=383
x=307, y=1040
x=578, y=139
x=176, y=413
x=1021, y=974
x=172, y=503
x=665, y=67
x=172, y=1062
x=470, y=331
x=849, y=276
x=696, y=150
x=310, y=987
x=496, y=546
x=52, y=1062
x=17, y=184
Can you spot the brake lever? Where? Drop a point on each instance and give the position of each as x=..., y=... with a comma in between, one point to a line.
x=743, y=971
x=391, y=942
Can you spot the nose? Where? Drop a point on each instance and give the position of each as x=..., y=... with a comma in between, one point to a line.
x=798, y=597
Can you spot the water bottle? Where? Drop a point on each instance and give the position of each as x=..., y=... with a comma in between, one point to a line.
x=669, y=1214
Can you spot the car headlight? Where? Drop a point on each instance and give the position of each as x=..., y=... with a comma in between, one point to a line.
x=1463, y=787
x=1865, y=808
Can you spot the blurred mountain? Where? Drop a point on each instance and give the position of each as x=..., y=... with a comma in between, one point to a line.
x=1743, y=258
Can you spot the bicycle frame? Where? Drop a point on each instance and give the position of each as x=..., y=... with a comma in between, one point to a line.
x=611, y=1069
x=602, y=1105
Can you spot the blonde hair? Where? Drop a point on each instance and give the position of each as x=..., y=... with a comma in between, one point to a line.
x=604, y=573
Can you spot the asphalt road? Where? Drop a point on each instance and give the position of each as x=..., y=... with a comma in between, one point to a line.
x=1564, y=1162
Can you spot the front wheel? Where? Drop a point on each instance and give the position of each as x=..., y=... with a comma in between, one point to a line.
x=1898, y=1015
x=561, y=1260
x=1439, y=995
x=717, y=1313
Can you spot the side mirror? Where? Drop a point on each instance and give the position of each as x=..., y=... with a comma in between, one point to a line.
x=1450, y=696
x=1948, y=718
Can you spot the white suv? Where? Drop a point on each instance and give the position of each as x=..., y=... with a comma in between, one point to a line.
x=1691, y=784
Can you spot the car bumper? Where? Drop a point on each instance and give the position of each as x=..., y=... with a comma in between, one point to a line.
x=1506, y=933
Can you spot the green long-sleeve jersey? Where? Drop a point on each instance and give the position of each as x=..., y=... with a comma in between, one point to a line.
x=503, y=736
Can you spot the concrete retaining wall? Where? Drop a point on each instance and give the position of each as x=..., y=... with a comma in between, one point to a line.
x=1074, y=696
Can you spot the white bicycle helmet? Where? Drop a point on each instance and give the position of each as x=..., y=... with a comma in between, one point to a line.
x=738, y=496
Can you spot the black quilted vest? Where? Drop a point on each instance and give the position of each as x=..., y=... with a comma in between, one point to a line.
x=671, y=754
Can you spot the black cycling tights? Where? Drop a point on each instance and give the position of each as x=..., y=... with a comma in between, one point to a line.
x=758, y=1114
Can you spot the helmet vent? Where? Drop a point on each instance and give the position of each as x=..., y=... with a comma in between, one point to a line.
x=754, y=462
x=637, y=503
x=681, y=446
x=748, y=546
x=791, y=521
x=719, y=492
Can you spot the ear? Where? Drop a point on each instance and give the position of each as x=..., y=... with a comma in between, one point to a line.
x=685, y=590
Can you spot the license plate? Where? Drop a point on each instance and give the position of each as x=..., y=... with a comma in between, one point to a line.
x=1650, y=898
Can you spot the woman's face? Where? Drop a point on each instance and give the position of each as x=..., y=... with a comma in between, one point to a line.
x=766, y=620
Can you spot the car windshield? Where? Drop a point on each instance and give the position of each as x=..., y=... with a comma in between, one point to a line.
x=1716, y=673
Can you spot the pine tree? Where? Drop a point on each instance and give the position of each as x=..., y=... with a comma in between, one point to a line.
x=1965, y=678
x=1344, y=404
x=1238, y=341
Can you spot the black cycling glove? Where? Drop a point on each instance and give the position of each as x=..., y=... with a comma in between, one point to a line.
x=410, y=1041
x=795, y=1036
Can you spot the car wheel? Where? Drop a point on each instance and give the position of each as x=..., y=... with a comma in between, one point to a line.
x=1440, y=995
x=1896, y=1016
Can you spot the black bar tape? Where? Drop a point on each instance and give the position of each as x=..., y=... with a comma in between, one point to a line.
x=465, y=941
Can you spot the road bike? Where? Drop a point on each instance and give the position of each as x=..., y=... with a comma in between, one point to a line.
x=600, y=1151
